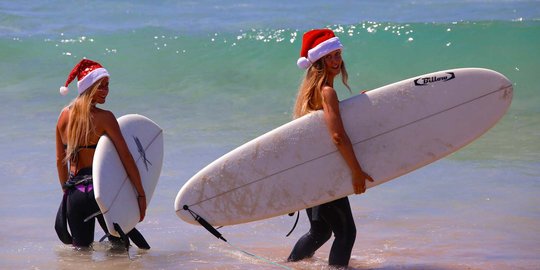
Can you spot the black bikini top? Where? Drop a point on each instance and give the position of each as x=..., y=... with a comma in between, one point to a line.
x=93, y=146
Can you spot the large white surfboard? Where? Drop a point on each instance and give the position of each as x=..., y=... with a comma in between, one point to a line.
x=114, y=193
x=394, y=129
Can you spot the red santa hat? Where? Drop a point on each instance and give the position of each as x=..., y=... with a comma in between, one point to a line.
x=316, y=44
x=87, y=72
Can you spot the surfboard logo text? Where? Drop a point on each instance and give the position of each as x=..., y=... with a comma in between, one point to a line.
x=433, y=79
x=142, y=152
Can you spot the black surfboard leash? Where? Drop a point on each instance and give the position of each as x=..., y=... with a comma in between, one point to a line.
x=205, y=223
x=295, y=222
x=217, y=234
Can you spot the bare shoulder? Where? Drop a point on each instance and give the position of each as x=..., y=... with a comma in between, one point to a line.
x=329, y=94
x=64, y=113
x=63, y=118
x=103, y=115
x=103, y=119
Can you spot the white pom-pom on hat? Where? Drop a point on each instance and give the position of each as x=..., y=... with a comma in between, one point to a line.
x=303, y=63
x=64, y=90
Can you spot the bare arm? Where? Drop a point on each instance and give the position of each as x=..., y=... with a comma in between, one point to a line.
x=61, y=166
x=332, y=117
x=112, y=129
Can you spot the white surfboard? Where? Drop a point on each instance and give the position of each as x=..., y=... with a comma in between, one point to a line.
x=114, y=193
x=394, y=129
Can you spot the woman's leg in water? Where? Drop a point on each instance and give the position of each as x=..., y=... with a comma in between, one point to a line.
x=337, y=214
x=80, y=205
x=318, y=234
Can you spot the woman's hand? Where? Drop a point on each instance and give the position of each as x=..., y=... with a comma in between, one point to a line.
x=359, y=181
x=141, y=200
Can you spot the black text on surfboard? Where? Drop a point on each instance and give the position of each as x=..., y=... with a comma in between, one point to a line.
x=427, y=80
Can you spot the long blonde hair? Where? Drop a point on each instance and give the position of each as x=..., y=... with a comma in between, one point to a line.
x=80, y=124
x=309, y=96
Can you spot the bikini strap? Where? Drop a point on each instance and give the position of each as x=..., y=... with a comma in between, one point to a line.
x=76, y=158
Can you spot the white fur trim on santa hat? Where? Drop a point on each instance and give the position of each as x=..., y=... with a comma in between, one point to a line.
x=91, y=78
x=319, y=51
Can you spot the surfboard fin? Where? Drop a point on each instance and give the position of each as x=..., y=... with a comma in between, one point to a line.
x=205, y=224
x=134, y=235
x=138, y=239
x=123, y=236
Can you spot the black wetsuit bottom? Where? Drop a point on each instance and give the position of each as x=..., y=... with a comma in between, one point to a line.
x=335, y=216
x=80, y=205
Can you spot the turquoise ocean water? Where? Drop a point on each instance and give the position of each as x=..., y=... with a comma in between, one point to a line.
x=215, y=74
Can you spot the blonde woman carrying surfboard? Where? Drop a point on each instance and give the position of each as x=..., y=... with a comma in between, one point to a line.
x=79, y=127
x=321, y=56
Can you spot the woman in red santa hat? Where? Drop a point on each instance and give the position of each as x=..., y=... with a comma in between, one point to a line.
x=79, y=127
x=321, y=56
